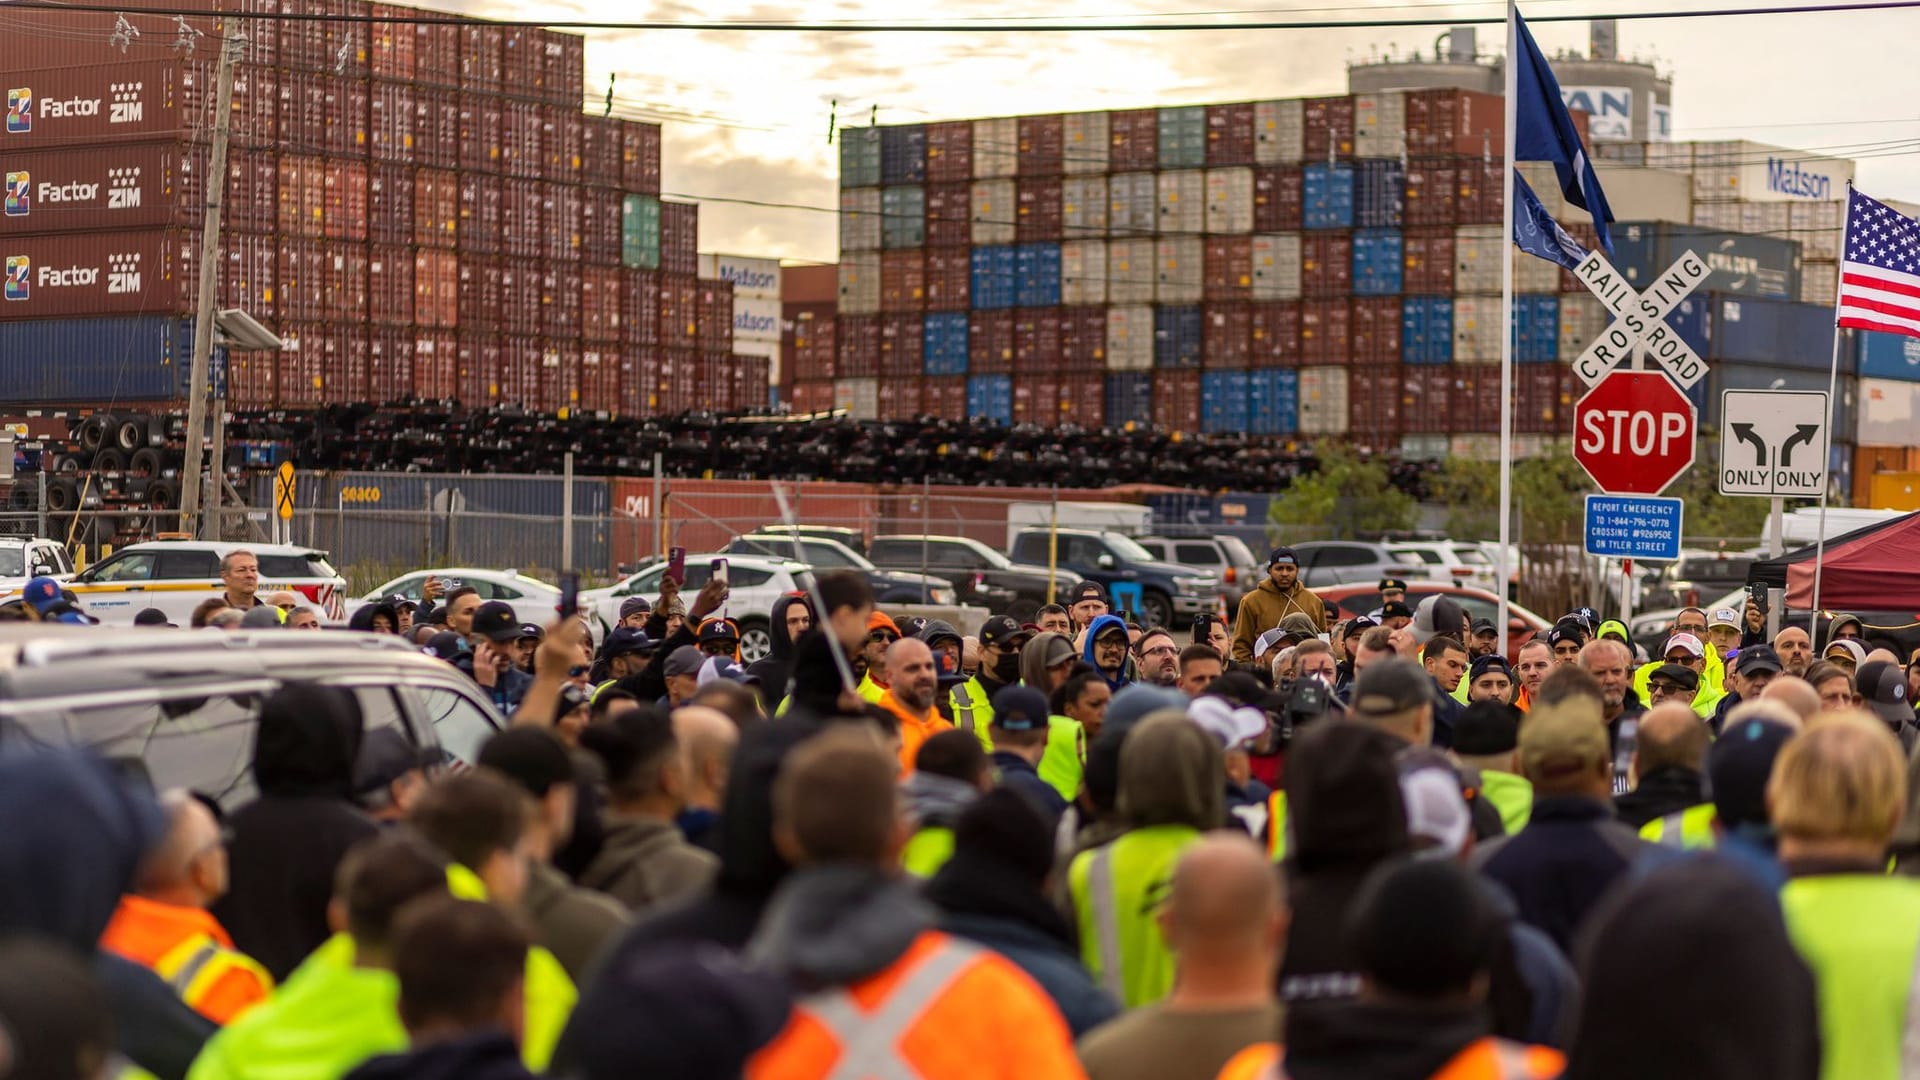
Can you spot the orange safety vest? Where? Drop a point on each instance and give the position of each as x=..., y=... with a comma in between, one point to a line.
x=1254, y=1063
x=914, y=730
x=1488, y=1059
x=191, y=952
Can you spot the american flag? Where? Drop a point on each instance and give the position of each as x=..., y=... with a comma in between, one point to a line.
x=1880, y=277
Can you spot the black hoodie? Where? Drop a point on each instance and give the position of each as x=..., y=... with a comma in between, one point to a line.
x=1349, y=1039
x=283, y=848
x=773, y=669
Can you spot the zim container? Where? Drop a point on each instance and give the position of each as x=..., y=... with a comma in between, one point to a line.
x=145, y=272
x=63, y=106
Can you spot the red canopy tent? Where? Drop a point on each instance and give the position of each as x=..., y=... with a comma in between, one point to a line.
x=1872, y=569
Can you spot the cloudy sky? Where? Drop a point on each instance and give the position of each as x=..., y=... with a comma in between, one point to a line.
x=756, y=106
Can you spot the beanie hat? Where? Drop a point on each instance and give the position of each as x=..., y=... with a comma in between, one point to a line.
x=1738, y=767
x=1002, y=826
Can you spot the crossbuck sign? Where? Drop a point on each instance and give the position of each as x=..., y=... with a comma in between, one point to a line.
x=1640, y=321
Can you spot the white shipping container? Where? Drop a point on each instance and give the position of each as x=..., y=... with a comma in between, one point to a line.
x=1323, y=401
x=1133, y=205
x=859, y=397
x=1083, y=272
x=1819, y=281
x=1757, y=172
x=1476, y=329
x=1279, y=130
x=1817, y=226
x=860, y=283
x=1380, y=124
x=860, y=219
x=1276, y=266
x=1583, y=318
x=994, y=211
x=1230, y=201
x=1083, y=207
x=1533, y=274
x=1477, y=251
x=755, y=319
x=1767, y=219
x=1638, y=194
x=1474, y=447
x=1887, y=412
x=1179, y=262
x=996, y=148
x=1130, y=271
x=1085, y=143
x=1183, y=202
x=1527, y=447
x=1545, y=182
x=756, y=278
x=1673, y=156
x=1130, y=338
x=1720, y=216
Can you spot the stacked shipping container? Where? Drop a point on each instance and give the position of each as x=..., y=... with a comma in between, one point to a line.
x=417, y=210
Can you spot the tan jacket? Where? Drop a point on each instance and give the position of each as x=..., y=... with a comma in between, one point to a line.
x=645, y=862
x=575, y=924
x=1262, y=609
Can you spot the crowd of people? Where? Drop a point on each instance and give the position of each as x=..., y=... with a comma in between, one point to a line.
x=1290, y=845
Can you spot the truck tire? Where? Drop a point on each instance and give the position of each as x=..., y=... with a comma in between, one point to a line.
x=1155, y=608
x=95, y=431
x=131, y=434
x=63, y=495
x=146, y=462
x=109, y=460
x=163, y=494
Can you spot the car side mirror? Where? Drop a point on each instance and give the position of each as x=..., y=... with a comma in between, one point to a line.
x=42, y=570
x=1104, y=562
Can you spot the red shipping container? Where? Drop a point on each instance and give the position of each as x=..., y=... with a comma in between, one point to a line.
x=600, y=303
x=1463, y=122
x=560, y=285
x=901, y=338
x=713, y=312
x=858, y=349
x=1325, y=326
x=391, y=204
x=599, y=226
x=481, y=121
x=640, y=307
x=1373, y=402
x=897, y=398
x=478, y=293
x=303, y=280
x=1475, y=399
x=1428, y=258
x=390, y=285
x=813, y=338
x=949, y=278
x=302, y=363
x=679, y=311
x=600, y=379
x=346, y=200
x=519, y=296
x=563, y=68
x=949, y=214
x=1036, y=340
x=989, y=343
x=1083, y=399
x=389, y=364
x=1543, y=399
x=351, y=380
x=1176, y=399
x=436, y=288
x=600, y=151
x=1588, y=239
x=1226, y=336
x=436, y=127
x=680, y=238
x=1037, y=210
x=560, y=143
x=436, y=365
x=348, y=107
x=250, y=273
x=1480, y=188
x=520, y=150
x=436, y=208
x=560, y=222
x=810, y=397
x=480, y=45
x=1230, y=134
x=517, y=371
x=390, y=44
x=436, y=54
x=111, y=188
x=944, y=397
x=520, y=210
x=949, y=154
x=1083, y=339
x=1428, y=405
x=521, y=59
x=132, y=98
x=303, y=42
x=1374, y=332
x=263, y=35
x=1036, y=398
x=1228, y=269
x=1326, y=264
x=681, y=381
x=640, y=157
x=253, y=190
x=479, y=229
x=1328, y=128
x=646, y=371
x=303, y=111
x=1273, y=334
x=1134, y=135
x=1040, y=146
x=256, y=106
x=1433, y=192
x=903, y=280
x=1277, y=198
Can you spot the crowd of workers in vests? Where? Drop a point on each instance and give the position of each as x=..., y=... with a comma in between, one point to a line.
x=1287, y=846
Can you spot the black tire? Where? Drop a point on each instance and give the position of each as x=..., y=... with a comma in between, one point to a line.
x=22, y=497
x=146, y=462
x=109, y=460
x=58, y=525
x=66, y=465
x=1156, y=609
x=131, y=434
x=163, y=494
x=96, y=430
x=63, y=495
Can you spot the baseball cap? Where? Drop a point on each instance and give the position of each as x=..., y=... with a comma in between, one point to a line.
x=495, y=619
x=1058, y=650
x=1437, y=615
x=1722, y=616
x=398, y=601
x=1282, y=555
x=1357, y=626
x=1394, y=609
x=1563, y=737
x=1486, y=727
x=635, y=605
x=42, y=593
x=1738, y=767
x=1586, y=617
x=1435, y=810
x=1756, y=658
x=532, y=630
x=1229, y=725
x=1483, y=664
x=719, y=667
x=1269, y=640
x=911, y=625
x=1484, y=626
x=1851, y=647
x=627, y=640
x=1299, y=625
x=1391, y=583
x=1111, y=629
x=1687, y=642
x=1391, y=686
x=445, y=645
x=1687, y=678
x=718, y=630
x=1565, y=632
x=385, y=756
x=1020, y=708
x=685, y=660
x=1883, y=691
x=937, y=631
x=151, y=617
x=1003, y=633
x=1087, y=590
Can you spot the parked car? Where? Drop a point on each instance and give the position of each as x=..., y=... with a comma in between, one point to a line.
x=174, y=576
x=1463, y=564
x=534, y=601
x=1356, y=600
x=1353, y=562
x=753, y=585
x=1167, y=591
x=820, y=553
x=182, y=705
x=1698, y=576
x=854, y=539
x=23, y=558
x=981, y=575
x=1225, y=557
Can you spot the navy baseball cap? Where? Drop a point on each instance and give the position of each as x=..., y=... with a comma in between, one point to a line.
x=1484, y=664
x=626, y=640
x=1282, y=555
x=42, y=593
x=1020, y=708
x=1756, y=658
x=718, y=630
x=496, y=620
x=1088, y=590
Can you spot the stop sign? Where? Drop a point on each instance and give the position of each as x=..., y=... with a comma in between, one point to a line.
x=1634, y=432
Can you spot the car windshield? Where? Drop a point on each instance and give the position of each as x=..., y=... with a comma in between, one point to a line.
x=826, y=553
x=1126, y=548
x=13, y=562
x=1472, y=556
x=1237, y=551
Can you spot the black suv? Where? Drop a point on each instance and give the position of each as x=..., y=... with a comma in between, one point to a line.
x=1113, y=559
x=982, y=575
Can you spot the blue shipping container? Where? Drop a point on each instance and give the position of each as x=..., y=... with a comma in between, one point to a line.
x=1737, y=376
x=993, y=277
x=1761, y=266
x=1379, y=194
x=1177, y=341
x=1426, y=330
x=1379, y=260
x=1536, y=329
x=94, y=361
x=1274, y=396
x=1223, y=401
x=903, y=217
x=945, y=343
x=1775, y=332
x=903, y=154
x=1036, y=275
x=1327, y=197
x=990, y=397
x=1888, y=356
x=1129, y=398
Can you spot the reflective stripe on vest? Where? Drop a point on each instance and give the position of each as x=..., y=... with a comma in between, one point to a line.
x=1251, y=1063
x=1277, y=826
x=183, y=963
x=1106, y=920
x=963, y=707
x=1690, y=829
x=870, y=1041
x=1498, y=1059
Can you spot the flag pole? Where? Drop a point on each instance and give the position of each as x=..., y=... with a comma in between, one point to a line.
x=1833, y=390
x=1506, y=310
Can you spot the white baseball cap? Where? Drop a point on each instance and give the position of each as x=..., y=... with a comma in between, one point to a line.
x=1722, y=616
x=1436, y=810
x=1684, y=641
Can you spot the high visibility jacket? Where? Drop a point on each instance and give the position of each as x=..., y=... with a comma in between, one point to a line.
x=189, y=949
x=1487, y=1059
x=1254, y=1063
x=1277, y=828
x=870, y=692
x=1511, y=795
x=972, y=710
x=327, y=1018
x=1693, y=829
x=1065, y=759
x=946, y=1010
x=1118, y=889
x=1859, y=934
x=548, y=992
x=927, y=851
x=914, y=729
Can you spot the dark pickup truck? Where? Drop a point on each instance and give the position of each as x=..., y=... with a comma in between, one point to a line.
x=981, y=575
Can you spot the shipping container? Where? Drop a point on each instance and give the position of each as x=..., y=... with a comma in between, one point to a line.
x=996, y=149
x=680, y=238
x=1758, y=266
x=600, y=303
x=436, y=127
x=1432, y=192
x=1129, y=399
x=1176, y=400
x=1448, y=122
x=1426, y=330
x=1380, y=124
x=128, y=272
x=1036, y=340
x=1479, y=252
x=1133, y=205
x=1133, y=139
x=1228, y=268
x=1327, y=197
x=858, y=397
x=1041, y=139
x=640, y=157
x=1536, y=329
x=1038, y=214
x=859, y=157
x=1885, y=411
x=1083, y=339
x=390, y=288
x=1182, y=199
x=899, y=398
x=129, y=359
x=1888, y=356
x=1325, y=331
x=1178, y=336
x=1775, y=333
x=1277, y=198
x=88, y=189
x=1378, y=262
x=117, y=101
x=949, y=214
x=944, y=398
x=903, y=281
x=1132, y=268
x=1278, y=132
x=1429, y=259
x=1130, y=337
x=990, y=342
x=1083, y=207
x=1084, y=144
x=1327, y=128
x=995, y=212
x=994, y=276
x=1379, y=194
x=1476, y=329
x=600, y=151
x=902, y=217
x=813, y=347
x=1756, y=172
x=948, y=270
x=949, y=153
x=903, y=154
x=1374, y=331
x=1036, y=272
x=860, y=283
x=1227, y=336
x=902, y=344
x=1819, y=283
x=1224, y=402
x=1276, y=261
x=1374, y=406
x=1326, y=264
x=1274, y=334
x=1083, y=272
x=1179, y=270
x=857, y=348
x=1230, y=137
x=639, y=228
x=1273, y=401
x=1230, y=200
x=990, y=397
x=1583, y=318
x=945, y=347
x=1323, y=401
x=1817, y=226
x=1478, y=189
x=1182, y=137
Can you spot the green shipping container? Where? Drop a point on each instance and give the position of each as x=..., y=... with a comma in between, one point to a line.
x=640, y=232
x=1183, y=137
x=860, y=157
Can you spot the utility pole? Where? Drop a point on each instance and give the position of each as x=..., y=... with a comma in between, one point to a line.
x=199, y=384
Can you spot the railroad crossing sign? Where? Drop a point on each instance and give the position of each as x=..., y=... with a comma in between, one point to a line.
x=1773, y=442
x=283, y=491
x=1640, y=323
x=1634, y=432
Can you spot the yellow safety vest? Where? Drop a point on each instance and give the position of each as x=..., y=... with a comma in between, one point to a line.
x=1692, y=829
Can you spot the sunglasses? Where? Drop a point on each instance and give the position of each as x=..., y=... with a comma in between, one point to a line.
x=576, y=671
x=719, y=648
x=1664, y=688
x=881, y=637
x=1683, y=659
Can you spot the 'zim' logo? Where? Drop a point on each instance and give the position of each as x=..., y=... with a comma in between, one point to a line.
x=19, y=267
x=19, y=193
x=20, y=110
x=125, y=108
x=123, y=274
x=123, y=188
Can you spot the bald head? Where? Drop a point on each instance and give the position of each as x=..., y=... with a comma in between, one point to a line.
x=1225, y=905
x=1771, y=710
x=1670, y=735
x=1795, y=693
x=707, y=737
x=189, y=866
x=1794, y=648
x=911, y=674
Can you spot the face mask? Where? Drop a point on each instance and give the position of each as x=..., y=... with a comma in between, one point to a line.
x=1006, y=668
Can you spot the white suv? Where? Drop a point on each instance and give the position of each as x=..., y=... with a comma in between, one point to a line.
x=1444, y=560
x=24, y=558
x=753, y=584
x=176, y=575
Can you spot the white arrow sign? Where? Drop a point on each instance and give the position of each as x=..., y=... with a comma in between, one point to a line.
x=1773, y=442
x=1641, y=321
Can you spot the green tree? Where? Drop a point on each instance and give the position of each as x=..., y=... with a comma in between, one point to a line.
x=1348, y=496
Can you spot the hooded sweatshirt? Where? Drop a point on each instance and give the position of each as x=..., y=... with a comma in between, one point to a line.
x=934, y=802
x=814, y=686
x=775, y=668
x=1094, y=629
x=1346, y=1039
x=488, y=1055
x=283, y=848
